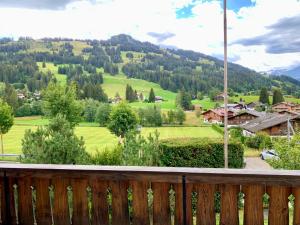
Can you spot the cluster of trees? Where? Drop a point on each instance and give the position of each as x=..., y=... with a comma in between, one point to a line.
x=277, y=96
x=174, y=117
x=184, y=100
x=130, y=94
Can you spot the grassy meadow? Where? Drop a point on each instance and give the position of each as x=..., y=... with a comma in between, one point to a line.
x=96, y=138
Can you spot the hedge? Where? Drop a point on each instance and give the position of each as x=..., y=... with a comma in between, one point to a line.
x=200, y=152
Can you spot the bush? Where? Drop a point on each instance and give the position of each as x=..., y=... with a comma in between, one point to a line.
x=218, y=128
x=260, y=141
x=150, y=116
x=140, y=151
x=102, y=115
x=108, y=156
x=200, y=152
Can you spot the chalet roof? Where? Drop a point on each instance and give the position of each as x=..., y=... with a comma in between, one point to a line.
x=267, y=121
x=218, y=111
x=285, y=103
x=251, y=112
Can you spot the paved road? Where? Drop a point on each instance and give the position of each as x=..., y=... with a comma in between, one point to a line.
x=256, y=163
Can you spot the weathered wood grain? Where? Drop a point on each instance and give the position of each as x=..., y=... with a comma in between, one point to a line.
x=100, y=205
x=253, y=209
x=161, y=204
x=229, y=205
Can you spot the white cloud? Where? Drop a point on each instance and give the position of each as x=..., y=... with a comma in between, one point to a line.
x=202, y=32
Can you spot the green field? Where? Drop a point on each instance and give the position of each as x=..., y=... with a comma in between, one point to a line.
x=61, y=78
x=99, y=137
x=255, y=98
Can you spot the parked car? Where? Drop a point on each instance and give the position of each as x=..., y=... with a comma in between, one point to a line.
x=268, y=154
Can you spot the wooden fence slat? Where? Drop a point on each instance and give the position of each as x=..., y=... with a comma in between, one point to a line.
x=25, y=201
x=178, y=204
x=120, y=213
x=140, y=203
x=100, y=206
x=2, y=202
x=278, y=205
x=60, y=203
x=189, y=209
x=296, y=193
x=253, y=209
x=13, y=218
x=205, y=204
x=161, y=205
x=80, y=202
x=43, y=208
x=229, y=205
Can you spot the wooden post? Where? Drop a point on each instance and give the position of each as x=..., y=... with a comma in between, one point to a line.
x=225, y=90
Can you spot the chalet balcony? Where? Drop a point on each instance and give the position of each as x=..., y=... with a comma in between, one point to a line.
x=82, y=195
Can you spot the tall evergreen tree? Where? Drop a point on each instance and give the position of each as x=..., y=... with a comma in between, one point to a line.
x=130, y=94
x=151, y=96
x=264, y=96
x=184, y=100
x=277, y=96
x=10, y=96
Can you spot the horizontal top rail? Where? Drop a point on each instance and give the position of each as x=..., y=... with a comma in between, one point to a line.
x=163, y=174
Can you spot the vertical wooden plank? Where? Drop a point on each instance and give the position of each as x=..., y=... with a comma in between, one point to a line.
x=2, y=202
x=140, y=203
x=278, y=205
x=205, y=204
x=12, y=217
x=253, y=209
x=100, y=206
x=161, y=205
x=25, y=201
x=120, y=214
x=179, y=219
x=43, y=208
x=189, y=209
x=178, y=204
x=229, y=205
x=60, y=203
x=296, y=193
x=80, y=202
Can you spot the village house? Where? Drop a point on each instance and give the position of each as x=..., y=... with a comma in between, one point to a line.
x=283, y=106
x=244, y=117
x=253, y=105
x=216, y=115
x=158, y=99
x=296, y=108
x=21, y=96
x=235, y=106
x=219, y=97
x=273, y=124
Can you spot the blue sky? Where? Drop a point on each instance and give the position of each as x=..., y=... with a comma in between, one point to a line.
x=235, y=5
x=262, y=34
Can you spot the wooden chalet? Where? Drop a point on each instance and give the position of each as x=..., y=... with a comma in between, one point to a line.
x=273, y=124
x=216, y=115
x=244, y=117
x=283, y=106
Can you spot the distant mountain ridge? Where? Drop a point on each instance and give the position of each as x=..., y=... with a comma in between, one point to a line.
x=294, y=72
x=173, y=69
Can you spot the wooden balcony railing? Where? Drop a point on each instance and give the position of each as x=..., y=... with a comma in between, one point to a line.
x=61, y=195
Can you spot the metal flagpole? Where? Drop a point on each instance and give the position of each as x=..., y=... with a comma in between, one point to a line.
x=225, y=90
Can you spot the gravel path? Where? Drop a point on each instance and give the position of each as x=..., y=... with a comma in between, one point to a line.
x=256, y=163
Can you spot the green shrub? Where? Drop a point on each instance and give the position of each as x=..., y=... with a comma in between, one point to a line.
x=200, y=152
x=260, y=141
x=218, y=128
x=108, y=156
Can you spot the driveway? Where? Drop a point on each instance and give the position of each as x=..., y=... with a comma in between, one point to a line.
x=256, y=163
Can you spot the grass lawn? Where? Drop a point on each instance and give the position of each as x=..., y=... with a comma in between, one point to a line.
x=255, y=98
x=100, y=138
x=206, y=103
x=117, y=84
x=61, y=78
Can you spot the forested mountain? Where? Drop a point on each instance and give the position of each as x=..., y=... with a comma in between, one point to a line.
x=79, y=60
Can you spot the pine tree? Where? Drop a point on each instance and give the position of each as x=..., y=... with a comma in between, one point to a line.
x=151, y=96
x=277, y=96
x=264, y=96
